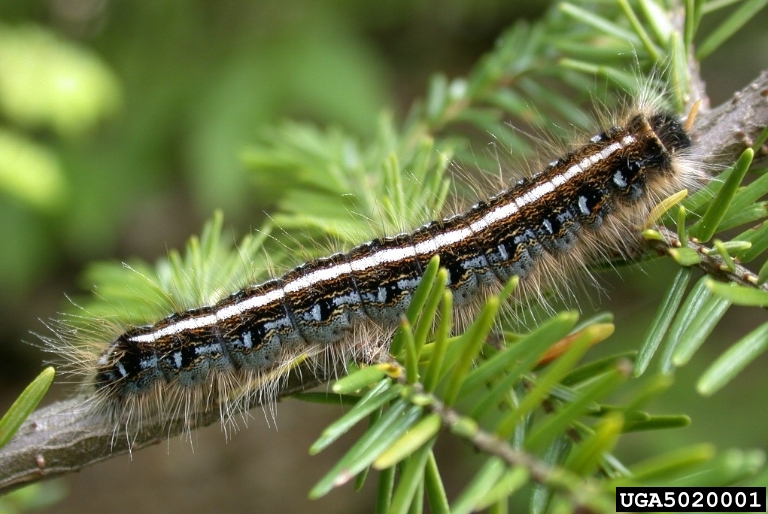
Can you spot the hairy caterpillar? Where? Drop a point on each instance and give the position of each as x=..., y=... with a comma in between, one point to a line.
x=581, y=207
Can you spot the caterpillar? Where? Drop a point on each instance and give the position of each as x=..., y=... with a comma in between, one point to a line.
x=579, y=208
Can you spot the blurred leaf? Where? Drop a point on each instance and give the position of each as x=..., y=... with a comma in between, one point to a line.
x=479, y=487
x=356, y=381
x=511, y=481
x=736, y=358
x=30, y=172
x=699, y=328
x=25, y=404
x=660, y=468
x=729, y=467
x=33, y=497
x=658, y=423
x=657, y=20
x=374, y=399
x=758, y=239
x=661, y=321
x=521, y=356
x=706, y=227
x=555, y=453
x=554, y=373
x=739, y=295
x=698, y=296
x=599, y=23
x=411, y=479
x=48, y=82
x=746, y=11
x=411, y=441
x=434, y=489
x=381, y=435
x=685, y=256
x=587, y=454
x=559, y=422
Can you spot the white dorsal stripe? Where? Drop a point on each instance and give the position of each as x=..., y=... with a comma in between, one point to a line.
x=320, y=275
x=382, y=257
x=389, y=255
x=249, y=303
x=432, y=245
x=208, y=319
x=175, y=328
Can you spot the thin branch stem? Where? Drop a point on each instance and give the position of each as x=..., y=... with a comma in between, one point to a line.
x=711, y=263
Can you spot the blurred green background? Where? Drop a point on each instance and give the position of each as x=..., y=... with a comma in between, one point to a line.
x=122, y=126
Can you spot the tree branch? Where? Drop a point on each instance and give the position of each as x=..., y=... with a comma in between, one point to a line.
x=732, y=127
x=66, y=436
